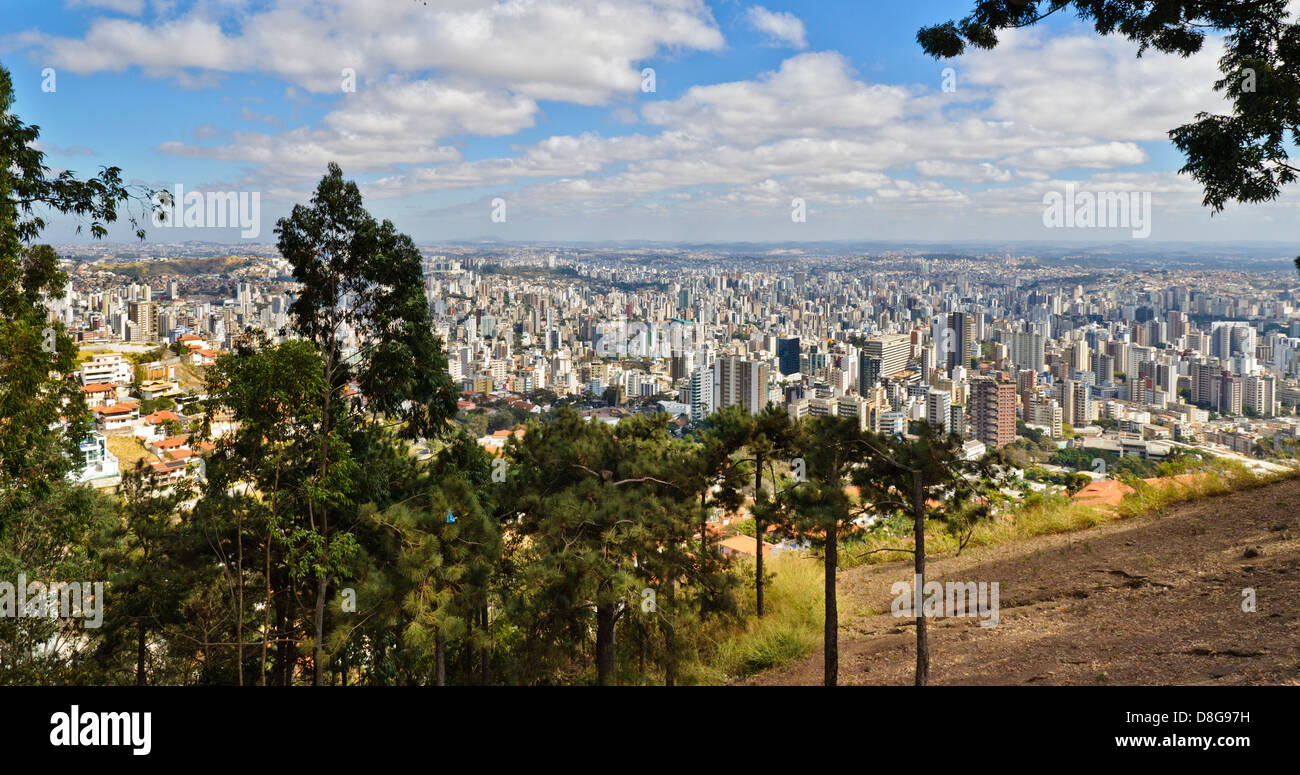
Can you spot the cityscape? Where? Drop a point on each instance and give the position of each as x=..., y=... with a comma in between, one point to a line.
x=545, y=344
x=992, y=347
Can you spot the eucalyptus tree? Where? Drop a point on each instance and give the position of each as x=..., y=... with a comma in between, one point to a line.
x=362, y=303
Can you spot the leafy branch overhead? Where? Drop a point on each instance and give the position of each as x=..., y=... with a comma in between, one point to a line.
x=1241, y=156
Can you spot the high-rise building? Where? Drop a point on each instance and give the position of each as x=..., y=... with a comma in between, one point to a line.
x=1076, y=403
x=1047, y=413
x=891, y=350
x=144, y=319
x=1261, y=394
x=1203, y=376
x=1027, y=350
x=938, y=409
x=960, y=340
x=868, y=373
x=1103, y=369
x=740, y=381
x=993, y=411
x=1230, y=390
x=787, y=354
x=702, y=400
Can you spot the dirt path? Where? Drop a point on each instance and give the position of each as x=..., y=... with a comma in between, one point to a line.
x=1149, y=600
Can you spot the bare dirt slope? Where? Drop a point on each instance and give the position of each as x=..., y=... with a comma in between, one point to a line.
x=1148, y=600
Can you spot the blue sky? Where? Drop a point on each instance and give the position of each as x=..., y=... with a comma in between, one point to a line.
x=458, y=103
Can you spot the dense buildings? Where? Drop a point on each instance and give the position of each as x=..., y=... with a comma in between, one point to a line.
x=966, y=343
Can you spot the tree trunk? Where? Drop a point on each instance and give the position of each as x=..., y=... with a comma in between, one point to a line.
x=266, y=610
x=483, y=652
x=440, y=657
x=318, y=648
x=831, y=627
x=284, y=662
x=704, y=525
x=606, y=616
x=140, y=653
x=759, y=530
x=239, y=596
x=670, y=640
x=922, y=637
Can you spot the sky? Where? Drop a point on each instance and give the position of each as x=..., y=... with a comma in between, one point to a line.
x=675, y=120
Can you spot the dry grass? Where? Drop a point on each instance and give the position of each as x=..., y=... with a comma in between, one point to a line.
x=791, y=626
x=128, y=450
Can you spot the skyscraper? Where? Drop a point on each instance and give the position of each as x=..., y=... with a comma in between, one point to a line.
x=702, y=400
x=740, y=381
x=787, y=354
x=938, y=409
x=891, y=350
x=993, y=411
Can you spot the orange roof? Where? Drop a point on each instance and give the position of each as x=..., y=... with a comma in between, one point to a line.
x=1106, y=491
x=744, y=545
x=162, y=415
x=172, y=443
x=98, y=387
x=120, y=408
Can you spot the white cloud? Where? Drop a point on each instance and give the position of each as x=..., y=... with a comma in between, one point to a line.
x=780, y=27
x=584, y=51
x=812, y=127
x=982, y=172
x=811, y=94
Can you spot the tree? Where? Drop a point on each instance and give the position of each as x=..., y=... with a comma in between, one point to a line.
x=820, y=510
x=265, y=471
x=926, y=478
x=45, y=521
x=153, y=563
x=766, y=437
x=1239, y=157
x=362, y=304
x=604, y=521
x=433, y=573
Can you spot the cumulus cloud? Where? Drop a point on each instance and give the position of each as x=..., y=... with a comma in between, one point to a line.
x=810, y=94
x=780, y=27
x=582, y=51
x=812, y=127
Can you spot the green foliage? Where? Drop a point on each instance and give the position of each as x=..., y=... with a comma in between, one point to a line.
x=46, y=523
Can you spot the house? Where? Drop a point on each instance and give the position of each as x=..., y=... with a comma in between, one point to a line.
x=109, y=368
x=99, y=466
x=100, y=394
x=116, y=416
x=151, y=427
x=170, y=469
x=192, y=342
x=743, y=546
x=162, y=447
x=157, y=370
x=161, y=388
x=495, y=444
x=203, y=357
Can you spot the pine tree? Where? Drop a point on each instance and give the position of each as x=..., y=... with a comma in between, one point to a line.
x=927, y=478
